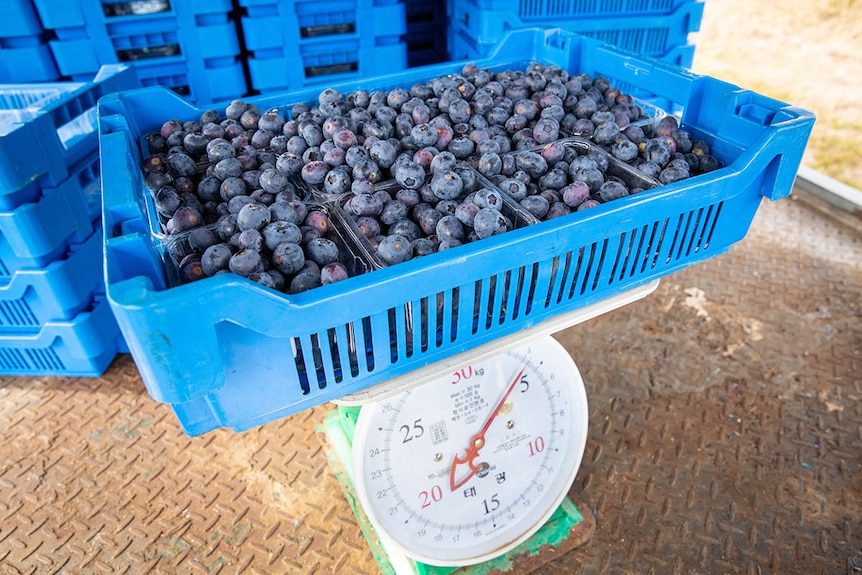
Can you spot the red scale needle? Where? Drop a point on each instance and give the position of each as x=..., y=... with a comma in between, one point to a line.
x=477, y=442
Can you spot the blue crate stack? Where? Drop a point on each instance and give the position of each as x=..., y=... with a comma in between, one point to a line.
x=294, y=44
x=54, y=316
x=655, y=28
x=25, y=55
x=191, y=46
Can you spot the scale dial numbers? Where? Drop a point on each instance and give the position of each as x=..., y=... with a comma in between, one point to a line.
x=464, y=468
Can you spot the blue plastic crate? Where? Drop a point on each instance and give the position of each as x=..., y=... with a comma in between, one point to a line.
x=47, y=129
x=36, y=233
x=315, y=64
x=83, y=346
x=651, y=35
x=252, y=355
x=32, y=297
x=197, y=37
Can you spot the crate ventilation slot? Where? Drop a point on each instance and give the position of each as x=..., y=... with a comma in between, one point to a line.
x=321, y=359
x=45, y=359
x=17, y=313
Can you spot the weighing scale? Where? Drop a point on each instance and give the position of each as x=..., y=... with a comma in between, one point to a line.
x=464, y=467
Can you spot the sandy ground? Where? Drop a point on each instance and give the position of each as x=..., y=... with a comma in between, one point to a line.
x=804, y=52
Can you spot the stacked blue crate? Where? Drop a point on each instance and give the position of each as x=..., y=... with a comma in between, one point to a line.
x=54, y=318
x=656, y=28
x=297, y=43
x=190, y=46
x=426, y=32
x=25, y=55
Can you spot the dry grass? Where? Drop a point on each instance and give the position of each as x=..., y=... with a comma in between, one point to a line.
x=804, y=52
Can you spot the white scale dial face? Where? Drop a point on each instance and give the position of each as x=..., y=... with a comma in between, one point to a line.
x=466, y=467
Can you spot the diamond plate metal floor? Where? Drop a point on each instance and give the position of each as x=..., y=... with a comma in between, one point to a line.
x=725, y=437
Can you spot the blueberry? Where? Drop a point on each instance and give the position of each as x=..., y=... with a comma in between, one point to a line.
x=226, y=227
x=185, y=218
x=657, y=150
x=546, y=130
x=167, y=201
x=245, y=263
x=593, y=177
x=410, y=175
x=366, y=205
x=289, y=164
x=321, y=251
x=611, y=190
x=624, y=149
x=488, y=198
x=366, y=170
x=672, y=174
x=181, y=164
x=216, y=258
x=383, y=153
x=394, y=249
x=288, y=258
x=333, y=272
x=490, y=222
x=203, y=237
x=318, y=220
x=449, y=228
x=554, y=179
x=428, y=220
x=575, y=194
x=406, y=228
x=250, y=239
x=191, y=269
x=650, y=169
x=446, y=185
x=253, y=216
x=516, y=189
x=461, y=147
x=423, y=247
x=536, y=205
x=392, y=212
x=408, y=197
x=423, y=135
x=442, y=162
x=314, y=172
x=532, y=163
x=219, y=149
x=708, y=163
x=368, y=226
x=279, y=232
x=466, y=212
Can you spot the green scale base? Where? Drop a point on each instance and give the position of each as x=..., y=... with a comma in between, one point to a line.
x=566, y=529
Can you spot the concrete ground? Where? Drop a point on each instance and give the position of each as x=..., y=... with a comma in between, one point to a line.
x=725, y=437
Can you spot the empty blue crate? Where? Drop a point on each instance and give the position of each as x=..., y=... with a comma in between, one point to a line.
x=251, y=354
x=295, y=44
x=25, y=55
x=32, y=297
x=652, y=34
x=83, y=346
x=36, y=233
x=198, y=37
x=48, y=128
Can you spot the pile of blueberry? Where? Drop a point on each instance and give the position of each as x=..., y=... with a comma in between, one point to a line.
x=240, y=188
